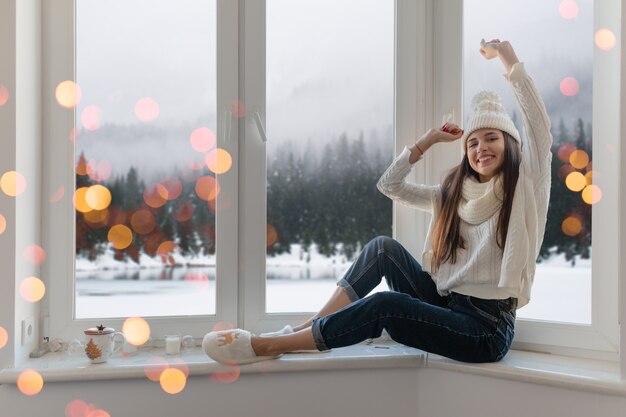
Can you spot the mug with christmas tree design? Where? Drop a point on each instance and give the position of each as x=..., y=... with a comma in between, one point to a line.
x=100, y=343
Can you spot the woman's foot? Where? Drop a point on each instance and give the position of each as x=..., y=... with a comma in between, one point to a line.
x=234, y=347
x=285, y=330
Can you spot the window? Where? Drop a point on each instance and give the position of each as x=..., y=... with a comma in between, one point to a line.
x=573, y=299
x=428, y=84
x=329, y=105
x=562, y=285
x=142, y=142
x=145, y=144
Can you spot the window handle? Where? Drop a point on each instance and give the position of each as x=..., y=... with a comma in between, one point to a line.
x=228, y=120
x=259, y=126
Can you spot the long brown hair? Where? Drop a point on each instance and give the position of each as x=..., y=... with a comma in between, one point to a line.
x=446, y=237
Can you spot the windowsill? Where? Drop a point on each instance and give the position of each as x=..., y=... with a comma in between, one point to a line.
x=55, y=367
x=537, y=368
x=545, y=369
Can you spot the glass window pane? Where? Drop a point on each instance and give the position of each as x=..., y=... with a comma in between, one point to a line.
x=561, y=63
x=329, y=124
x=145, y=124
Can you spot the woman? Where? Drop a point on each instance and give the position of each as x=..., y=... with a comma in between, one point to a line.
x=479, y=258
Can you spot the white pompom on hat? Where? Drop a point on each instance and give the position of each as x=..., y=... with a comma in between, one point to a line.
x=488, y=112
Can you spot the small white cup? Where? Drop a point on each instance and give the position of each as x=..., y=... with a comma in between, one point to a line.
x=188, y=342
x=172, y=344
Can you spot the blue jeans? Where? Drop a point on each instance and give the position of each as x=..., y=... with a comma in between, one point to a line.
x=457, y=326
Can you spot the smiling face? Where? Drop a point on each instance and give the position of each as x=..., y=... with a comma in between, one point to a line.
x=485, y=152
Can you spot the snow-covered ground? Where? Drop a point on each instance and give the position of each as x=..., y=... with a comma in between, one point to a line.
x=109, y=288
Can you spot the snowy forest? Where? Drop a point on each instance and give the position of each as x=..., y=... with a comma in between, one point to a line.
x=325, y=196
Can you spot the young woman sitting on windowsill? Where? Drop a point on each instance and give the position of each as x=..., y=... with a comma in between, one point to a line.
x=478, y=264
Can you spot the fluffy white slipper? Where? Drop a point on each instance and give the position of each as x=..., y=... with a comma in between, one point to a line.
x=231, y=347
x=285, y=330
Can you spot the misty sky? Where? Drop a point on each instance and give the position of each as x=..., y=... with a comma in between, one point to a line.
x=329, y=65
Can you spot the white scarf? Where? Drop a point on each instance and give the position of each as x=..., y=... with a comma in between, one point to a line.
x=479, y=201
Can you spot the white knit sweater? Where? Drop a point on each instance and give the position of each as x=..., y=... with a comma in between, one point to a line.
x=482, y=269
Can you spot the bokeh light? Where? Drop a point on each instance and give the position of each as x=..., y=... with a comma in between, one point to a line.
x=98, y=412
x=226, y=377
x=4, y=95
x=571, y=226
x=136, y=330
x=118, y=215
x=97, y=218
x=34, y=254
x=173, y=380
x=237, y=109
x=120, y=236
x=74, y=134
x=147, y=109
x=98, y=197
x=575, y=181
x=81, y=166
x=79, y=408
x=222, y=325
x=579, y=159
x=179, y=363
x=219, y=161
x=569, y=86
x=592, y=194
x=153, y=240
x=202, y=139
x=3, y=224
x=32, y=289
x=589, y=176
x=565, y=151
x=568, y=9
x=154, y=369
x=271, y=236
x=91, y=117
x=80, y=200
x=152, y=197
x=75, y=408
x=605, y=39
x=185, y=212
x=169, y=189
x=142, y=221
x=13, y=183
x=30, y=382
x=68, y=94
x=165, y=251
x=4, y=337
x=199, y=280
x=100, y=171
x=195, y=165
x=58, y=194
x=207, y=188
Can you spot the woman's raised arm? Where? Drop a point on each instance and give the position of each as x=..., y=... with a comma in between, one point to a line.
x=503, y=50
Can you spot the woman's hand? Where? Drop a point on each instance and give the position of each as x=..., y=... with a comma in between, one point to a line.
x=449, y=132
x=490, y=49
x=504, y=50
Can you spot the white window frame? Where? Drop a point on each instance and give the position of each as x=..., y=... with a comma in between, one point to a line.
x=600, y=339
x=58, y=219
x=253, y=197
x=428, y=84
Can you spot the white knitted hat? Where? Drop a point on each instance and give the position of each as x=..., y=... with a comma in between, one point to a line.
x=488, y=111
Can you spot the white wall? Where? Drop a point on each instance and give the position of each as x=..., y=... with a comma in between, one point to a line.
x=359, y=393
x=20, y=137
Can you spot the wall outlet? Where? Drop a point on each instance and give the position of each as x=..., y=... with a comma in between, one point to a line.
x=28, y=331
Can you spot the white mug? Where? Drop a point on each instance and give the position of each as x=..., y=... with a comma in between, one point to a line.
x=100, y=343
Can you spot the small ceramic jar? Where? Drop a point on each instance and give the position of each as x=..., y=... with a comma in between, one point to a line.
x=100, y=343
